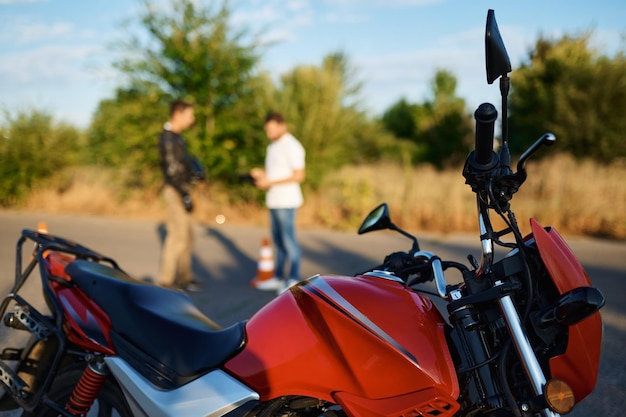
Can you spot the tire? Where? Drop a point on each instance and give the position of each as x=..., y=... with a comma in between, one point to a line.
x=109, y=403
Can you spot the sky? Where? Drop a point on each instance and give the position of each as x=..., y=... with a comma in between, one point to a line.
x=56, y=55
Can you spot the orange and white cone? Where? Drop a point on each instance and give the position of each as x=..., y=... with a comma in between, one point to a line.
x=265, y=279
x=42, y=227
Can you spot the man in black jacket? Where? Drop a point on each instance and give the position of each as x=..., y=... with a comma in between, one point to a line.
x=175, y=162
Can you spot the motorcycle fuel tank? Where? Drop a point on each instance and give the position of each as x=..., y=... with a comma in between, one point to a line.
x=366, y=342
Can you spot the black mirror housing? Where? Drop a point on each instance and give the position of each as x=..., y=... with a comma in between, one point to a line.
x=496, y=57
x=378, y=219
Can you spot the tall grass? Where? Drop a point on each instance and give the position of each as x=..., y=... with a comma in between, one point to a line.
x=580, y=198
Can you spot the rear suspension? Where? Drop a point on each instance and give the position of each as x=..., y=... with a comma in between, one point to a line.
x=88, y=387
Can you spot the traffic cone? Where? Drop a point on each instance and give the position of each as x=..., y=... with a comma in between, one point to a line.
x=42, y=227
x=265, y=279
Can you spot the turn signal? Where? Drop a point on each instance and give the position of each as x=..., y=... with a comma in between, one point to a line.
x=559, y=396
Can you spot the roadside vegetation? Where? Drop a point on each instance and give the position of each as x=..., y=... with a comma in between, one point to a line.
x=591, y=202
x=410, y=156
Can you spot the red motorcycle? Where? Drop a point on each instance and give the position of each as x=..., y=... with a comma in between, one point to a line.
x=522, y=338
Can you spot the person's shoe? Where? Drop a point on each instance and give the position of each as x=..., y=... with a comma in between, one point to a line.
x=271, y=284
x=287, y=284
x=193, y=286
x=169, y=286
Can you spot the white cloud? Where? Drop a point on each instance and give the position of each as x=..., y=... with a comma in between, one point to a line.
x=296, y=5
x=56, y=64
x=37, y=32
x=275, y=21
x=24, y=30
x=21, y=1
x=67, y=81
x=409, y=74
x=345, y=18
x=383, y=3
x=257, y=17
x=609, y=40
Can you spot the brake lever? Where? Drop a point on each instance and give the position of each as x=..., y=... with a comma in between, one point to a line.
x=506, y=183
x=547, y=139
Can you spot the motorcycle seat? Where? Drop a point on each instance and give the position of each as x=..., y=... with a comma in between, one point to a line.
x=159, y=322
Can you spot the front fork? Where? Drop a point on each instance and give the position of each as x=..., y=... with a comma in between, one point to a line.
x=524, y=350
x=523, y=347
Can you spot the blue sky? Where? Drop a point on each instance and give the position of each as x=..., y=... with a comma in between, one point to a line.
x=55, y=55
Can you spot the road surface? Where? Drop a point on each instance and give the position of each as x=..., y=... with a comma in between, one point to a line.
x=225, y=261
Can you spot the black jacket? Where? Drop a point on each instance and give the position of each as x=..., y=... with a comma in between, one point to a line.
x=175, y=161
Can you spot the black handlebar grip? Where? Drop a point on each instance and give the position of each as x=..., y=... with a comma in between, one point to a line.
x=485, y=115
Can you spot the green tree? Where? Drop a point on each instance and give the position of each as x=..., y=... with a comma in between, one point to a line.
x=239, y=138
x=124, y=131
x=571, y=89
x=191, y=51
x=444, y=126
x=440, y=127
x=399, y=119
x=321, y=105
x=32, y=148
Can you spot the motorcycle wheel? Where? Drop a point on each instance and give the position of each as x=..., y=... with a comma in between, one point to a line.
x=110, y=401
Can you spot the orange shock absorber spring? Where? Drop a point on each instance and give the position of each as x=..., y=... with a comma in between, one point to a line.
x=88, y=388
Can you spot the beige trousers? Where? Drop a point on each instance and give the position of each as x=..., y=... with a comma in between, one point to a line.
x=176, y=257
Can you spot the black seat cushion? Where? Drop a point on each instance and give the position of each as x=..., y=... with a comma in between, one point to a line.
x=163, y=323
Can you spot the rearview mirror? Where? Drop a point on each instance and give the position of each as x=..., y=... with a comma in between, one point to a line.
x=378, y=219
x=496, y=57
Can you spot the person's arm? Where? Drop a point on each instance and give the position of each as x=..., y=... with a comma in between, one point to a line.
x=262, y=182
x=297, y=175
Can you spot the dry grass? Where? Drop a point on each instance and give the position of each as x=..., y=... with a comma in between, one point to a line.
x=92, y=191
x=581, y=198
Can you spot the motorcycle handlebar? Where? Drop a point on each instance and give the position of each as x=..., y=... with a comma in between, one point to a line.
x=402, y=264
x=485, y=115
x=437, y=267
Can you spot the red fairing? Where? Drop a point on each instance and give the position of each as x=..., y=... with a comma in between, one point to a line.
x=85, y=324
x=578, y=366
x=367, y=343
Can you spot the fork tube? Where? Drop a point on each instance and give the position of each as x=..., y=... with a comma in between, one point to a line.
x=524, y=349
x=485, y=235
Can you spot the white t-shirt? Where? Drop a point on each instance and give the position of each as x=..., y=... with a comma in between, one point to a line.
x=284, y=155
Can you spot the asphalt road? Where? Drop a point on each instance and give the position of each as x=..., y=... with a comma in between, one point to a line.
x=225, y=261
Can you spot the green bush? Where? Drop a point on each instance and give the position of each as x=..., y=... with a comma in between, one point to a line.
x=32, y=148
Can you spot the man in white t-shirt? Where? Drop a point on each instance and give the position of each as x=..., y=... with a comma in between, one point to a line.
x=283, y=174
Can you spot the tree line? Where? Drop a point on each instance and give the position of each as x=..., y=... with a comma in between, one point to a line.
x=192, y=51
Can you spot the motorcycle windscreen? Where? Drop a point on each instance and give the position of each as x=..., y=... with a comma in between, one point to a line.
x=579, y=365
x=368, y=337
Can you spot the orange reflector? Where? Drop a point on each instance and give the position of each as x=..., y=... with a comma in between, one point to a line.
x=559, y=396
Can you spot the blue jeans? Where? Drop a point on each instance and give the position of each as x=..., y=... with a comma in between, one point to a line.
x=284, y=236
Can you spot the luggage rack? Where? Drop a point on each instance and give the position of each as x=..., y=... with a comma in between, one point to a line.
x=34, y=358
